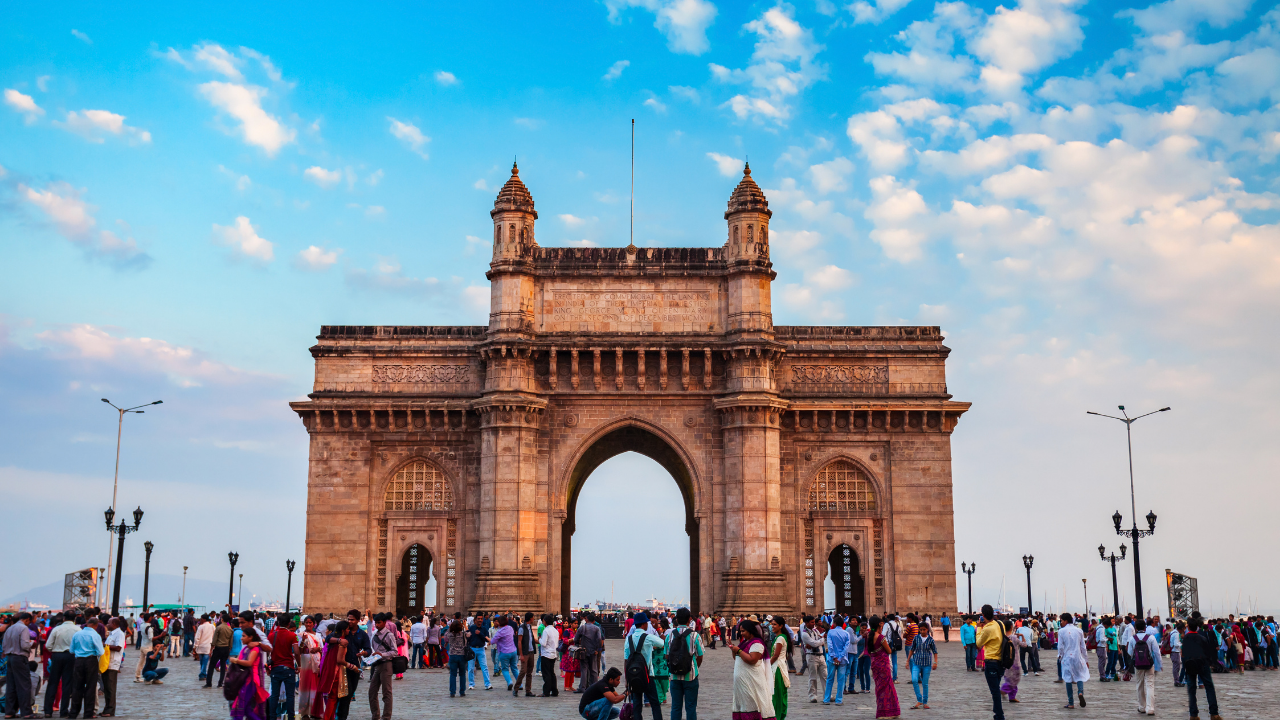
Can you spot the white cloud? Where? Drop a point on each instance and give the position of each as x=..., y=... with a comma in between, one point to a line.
x=82, y=37
x=74, y=220
x=985, y=155
x=316, y=258
x=375, y=177
x=184, y=366
x=782, y=66
x=480, y=184
x=243, y=237
x=268, y=67
x=615, y=70
x=42, y=82
x=830, y=176
x=244, y=103
x=242, y=181
x=728, y=166
x=446, y=78
x=528, y=123
x=24, y=104
x=685, y=92
x=684, y=22
x=322, y=177
x=1018, y=42
x=880, y=134
x=572, y=220
x=216, y=58
x=657, y=105
x=1184, y=15
x=895, y=210
x=410, y=135
x=876, y=11
x=829, y=278
x=92, y=125
x=388, y=276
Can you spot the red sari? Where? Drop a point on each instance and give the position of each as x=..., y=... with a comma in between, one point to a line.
x=332, y=681
x=882, y=672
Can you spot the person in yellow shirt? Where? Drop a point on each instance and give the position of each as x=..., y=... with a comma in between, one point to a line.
x=990, y=639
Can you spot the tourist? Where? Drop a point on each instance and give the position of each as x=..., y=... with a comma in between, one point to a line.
x=1113, y=647
x=61, y=662
x=454, y=643
x=661, y=674
x=684, y=685
x=923, y=657
x=599, y=698
x=781, y=678
x=946, y=628
x=87, y=646
x=814, y=642
x=644, y=641
x=837, y=662
x=1199, y=651
x=1073, y=659
x=863, y=667
x=893, y=634
x=503, y=640
x=202, y=643
x=331, y=682
x=477, y=640
x=1173, y=640
x=146, y=637
x=385, y=645
x=17, y=646
x=990, y=641
x=569, y=663
x=969, y=640
x=219, y=656
x=1099, y=635
x=310, y=650
x=115, y=643
x=857, y=642
x=251, y=699
x=282, y=666
x=881, y=670
x=527, y=647
x=1013, y=673
x=548, y=651
x=418, y=639
x=1125, y=632
x=1144, y=650
x=752, y=681
x=590, y=648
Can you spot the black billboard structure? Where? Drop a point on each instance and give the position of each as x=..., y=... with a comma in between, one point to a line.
x=80, y=588
x=1184, y=594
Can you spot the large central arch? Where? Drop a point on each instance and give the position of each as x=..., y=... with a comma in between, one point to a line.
x=638, y=436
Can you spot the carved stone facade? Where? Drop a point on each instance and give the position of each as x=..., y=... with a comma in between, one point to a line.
x=459, y=452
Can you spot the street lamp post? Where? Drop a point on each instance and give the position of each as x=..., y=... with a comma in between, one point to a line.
x=240, y=594
x=1085, y=581
x=146, y=575
x=1115, y=586
x=1134, y=533
x=184, y=586
x=101, y=596
x=122, y=529
x=1027, y=562
x=234, y=557
x=115, y=484
x=968, y=570
x=288, y=588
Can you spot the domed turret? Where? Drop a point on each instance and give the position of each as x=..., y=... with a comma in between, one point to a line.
x=514, y=196
x=513, y=217
x=748, y=217
x=747, y=196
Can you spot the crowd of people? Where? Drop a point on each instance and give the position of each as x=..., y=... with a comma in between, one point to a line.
x=285, y=666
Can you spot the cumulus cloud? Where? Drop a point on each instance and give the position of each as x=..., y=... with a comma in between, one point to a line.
x=446, y=78
x=1018, y=42
x=244, y=103
x=728, y=166
x=410, y=135
x=895, y=209
x=876, y=11
x=322, y=177
x=82, y=37
x=184, y=366
x=615, y=70
x=830, y=176
x=216, y=58
x=244, y=239
x=571, y=220
x=387, y=275
x=24, y=104
x=656, y=105
x=684, y=22
x=316, y=258
x=73, y=218
x=782, y=65
x=685, y=92
x=95, y=125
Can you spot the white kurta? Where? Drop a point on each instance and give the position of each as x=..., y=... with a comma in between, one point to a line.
x=753, y=685
x=1072, y=654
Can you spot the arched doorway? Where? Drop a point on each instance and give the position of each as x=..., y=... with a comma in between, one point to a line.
x=411, y=586
x=641, y=440
x=846, y=576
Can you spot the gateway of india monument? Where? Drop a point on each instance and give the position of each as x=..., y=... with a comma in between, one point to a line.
x=802, y=452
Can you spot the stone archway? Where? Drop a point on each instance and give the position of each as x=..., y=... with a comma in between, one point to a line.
x=846, y=575
x=411, y=584
x=630, y=436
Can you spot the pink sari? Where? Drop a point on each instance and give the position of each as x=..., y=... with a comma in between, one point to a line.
x=882, y=672
x=251, y=703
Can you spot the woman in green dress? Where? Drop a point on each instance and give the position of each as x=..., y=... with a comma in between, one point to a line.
x=781, y=681
x=661, y=673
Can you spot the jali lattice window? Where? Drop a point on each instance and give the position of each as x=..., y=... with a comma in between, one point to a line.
x=419, y=486
x=842, y=486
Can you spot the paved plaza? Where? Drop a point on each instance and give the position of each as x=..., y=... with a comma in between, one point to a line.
x=954, y=694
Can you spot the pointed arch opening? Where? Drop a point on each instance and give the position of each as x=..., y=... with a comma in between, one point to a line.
x=415, y=589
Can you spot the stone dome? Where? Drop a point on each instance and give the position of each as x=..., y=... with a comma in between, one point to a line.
x=748, y=196
x=514, y=195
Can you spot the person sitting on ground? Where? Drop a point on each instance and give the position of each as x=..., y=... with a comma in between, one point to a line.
x=599, y=699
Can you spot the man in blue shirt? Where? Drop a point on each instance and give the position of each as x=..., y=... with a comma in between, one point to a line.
x=969, y=638
x=86, y=646
x=837, y=661
x=646, y=642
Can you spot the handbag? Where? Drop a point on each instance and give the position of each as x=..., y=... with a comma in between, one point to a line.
x=237, y=675
x=399, y=664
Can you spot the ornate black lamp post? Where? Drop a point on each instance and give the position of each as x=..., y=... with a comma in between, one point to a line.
x=146, y=575
x=1134, y=533
x=234, y=557
x=122, y=529
x=1027, y=562
x=288, y=588
x=968, y=570
x=1115, y=586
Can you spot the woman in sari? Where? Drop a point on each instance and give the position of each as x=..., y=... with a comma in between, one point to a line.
x=310, y=647
x=1012, y=676
x=331, y=681
x=251, y=700
x=752, y=675
x=402, y=641
x=569, y=664
x=882, y=671
x=781, y=678
x=661, y=673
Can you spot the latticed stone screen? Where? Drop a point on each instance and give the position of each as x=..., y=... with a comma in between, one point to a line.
x=419, y=486
x=841, y=486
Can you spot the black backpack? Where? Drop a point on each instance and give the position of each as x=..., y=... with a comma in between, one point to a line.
x=1006, y=647
x=1142, y=659
x=636, y=670
x=895, y=637
x=679, y=659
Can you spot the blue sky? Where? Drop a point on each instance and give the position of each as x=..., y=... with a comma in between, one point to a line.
x=1083, y=195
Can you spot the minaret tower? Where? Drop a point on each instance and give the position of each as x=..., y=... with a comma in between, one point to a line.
x=511, y=301
x=747, y=252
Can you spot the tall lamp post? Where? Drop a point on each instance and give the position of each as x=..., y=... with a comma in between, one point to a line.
x=1134, y=533
x=1115, y=586
x=184, y=586
x=1027, y=562
x=968, y=570
x=240, y=593
x=146, y=575
x=288, y=588
x=234, y=557
x=122, y=529
x=1085, y=582
x=115, y=484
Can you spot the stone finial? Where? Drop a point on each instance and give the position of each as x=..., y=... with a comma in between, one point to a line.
x=747, y=196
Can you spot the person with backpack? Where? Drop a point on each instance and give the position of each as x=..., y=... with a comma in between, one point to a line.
x=991, y=642
x=637, y=664
x=684, y=656
x=1144, y=653
x=893, y=633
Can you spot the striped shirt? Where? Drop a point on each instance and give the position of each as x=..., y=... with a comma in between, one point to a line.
x=922, y=650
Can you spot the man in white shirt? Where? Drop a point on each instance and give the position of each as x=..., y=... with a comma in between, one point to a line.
x=1175, y=651
x=815, y=655
x=549, y=646
x=115, y=642
x=417, y=638
x=1145, y=667
x=1126, y=636
x=147, y=638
